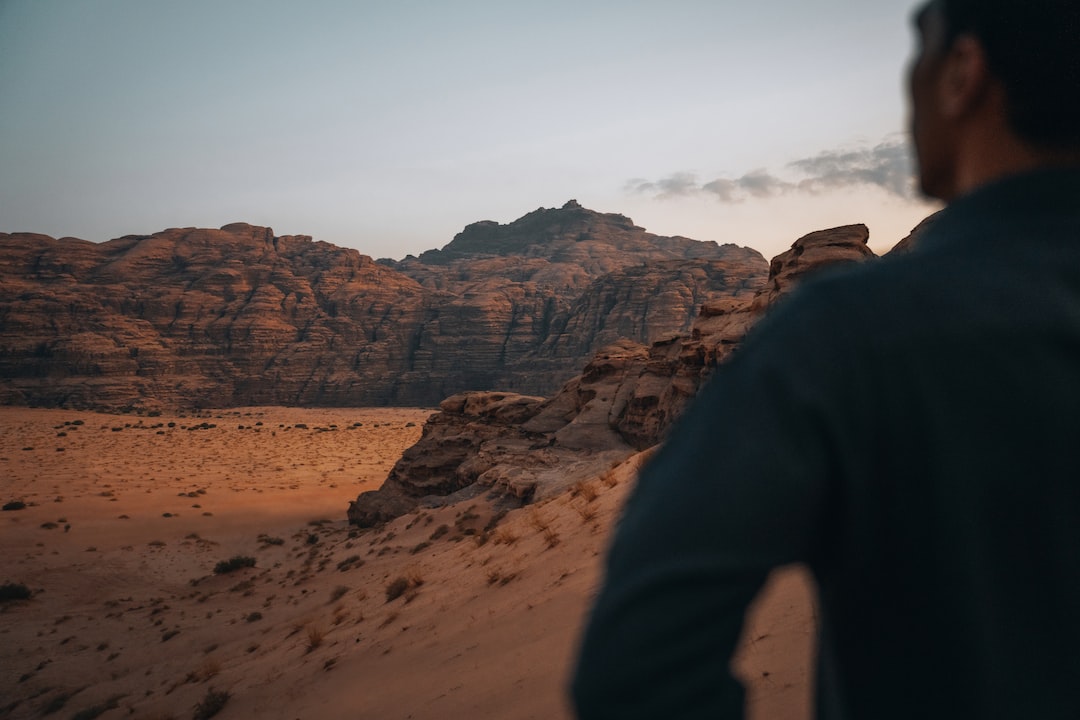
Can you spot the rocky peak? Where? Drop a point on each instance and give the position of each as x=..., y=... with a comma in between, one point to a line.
x=569, y=233
x=254, y=232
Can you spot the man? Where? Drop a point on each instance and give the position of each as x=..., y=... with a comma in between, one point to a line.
x=909, y=429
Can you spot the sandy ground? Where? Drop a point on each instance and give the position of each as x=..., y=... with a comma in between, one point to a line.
x=445, y=613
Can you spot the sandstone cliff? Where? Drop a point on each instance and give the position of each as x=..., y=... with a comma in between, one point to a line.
x=200, y=317
x=519, y=448
x=238, y=316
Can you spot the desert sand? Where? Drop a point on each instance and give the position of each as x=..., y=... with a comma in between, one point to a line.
x=450, y=612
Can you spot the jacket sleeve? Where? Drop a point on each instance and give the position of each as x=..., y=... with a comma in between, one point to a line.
x=737, y=489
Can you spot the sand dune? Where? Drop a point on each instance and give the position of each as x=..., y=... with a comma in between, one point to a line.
x=449, y=612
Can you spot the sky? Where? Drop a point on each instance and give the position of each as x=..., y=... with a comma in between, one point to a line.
x=389, y=125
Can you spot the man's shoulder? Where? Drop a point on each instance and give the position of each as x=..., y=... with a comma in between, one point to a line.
x=895, y=301
x=878, y=286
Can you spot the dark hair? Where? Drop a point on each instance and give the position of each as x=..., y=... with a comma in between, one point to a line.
x=1033, y=47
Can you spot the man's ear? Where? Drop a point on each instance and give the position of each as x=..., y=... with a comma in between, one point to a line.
x=965, y=80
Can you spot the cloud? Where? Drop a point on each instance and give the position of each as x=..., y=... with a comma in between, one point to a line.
x=886, y=165
x=675, y=185
x=758, y=184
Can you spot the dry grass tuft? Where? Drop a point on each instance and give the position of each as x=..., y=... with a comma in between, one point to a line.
x=587, y=512
x=538, y=521
x=209, y=668
x=497, y=577
x=315, y=635
x=504, y=536
x=584, y=490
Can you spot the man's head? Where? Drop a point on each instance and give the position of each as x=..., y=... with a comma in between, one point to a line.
x=996, y=87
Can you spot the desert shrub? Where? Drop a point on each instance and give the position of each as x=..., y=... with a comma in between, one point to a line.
x=234, y=563
x=212, y=703
x=350, y=562
x=439, y=532
x=254, y=617
x=246, y=587
x=338, y=593
x=268, y=540
x=396, y=588
x=499, y=577
x=56, y=703
x=94, y=710
x=494, y=521
x=15, y=505
x=14, y=591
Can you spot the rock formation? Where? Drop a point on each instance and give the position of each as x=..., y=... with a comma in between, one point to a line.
x=200, y=317
x=557, y=285
x=518, y=448
x=238, y=316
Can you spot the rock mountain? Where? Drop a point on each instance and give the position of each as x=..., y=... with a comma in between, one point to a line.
x=192, y=317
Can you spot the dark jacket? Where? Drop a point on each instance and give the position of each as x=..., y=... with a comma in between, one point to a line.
x=910, y=430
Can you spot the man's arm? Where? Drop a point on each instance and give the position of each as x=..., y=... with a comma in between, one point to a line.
x=738, y=489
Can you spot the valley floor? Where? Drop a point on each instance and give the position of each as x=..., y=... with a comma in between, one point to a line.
x=447, y=612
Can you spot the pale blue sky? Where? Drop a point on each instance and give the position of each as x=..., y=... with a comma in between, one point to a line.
x=389, y=125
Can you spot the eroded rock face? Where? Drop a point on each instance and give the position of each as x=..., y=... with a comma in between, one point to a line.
x=559, y=284
x=238, y=316
x=623, y=402
x=516, y=447
x=187, y=317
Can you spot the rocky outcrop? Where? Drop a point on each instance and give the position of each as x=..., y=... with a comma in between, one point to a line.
x=517, y=447
x=811, y=253
x=623, y=402
x=238, y=316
